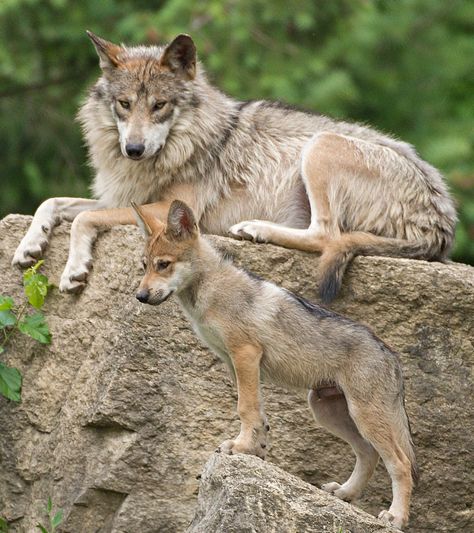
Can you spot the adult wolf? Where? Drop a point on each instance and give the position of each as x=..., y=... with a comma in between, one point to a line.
x=157, y=130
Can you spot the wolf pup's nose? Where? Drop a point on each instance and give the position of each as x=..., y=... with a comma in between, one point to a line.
x=143, y=295
x=135, y=150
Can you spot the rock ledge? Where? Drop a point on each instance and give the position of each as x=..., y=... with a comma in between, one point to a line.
x=241, y=493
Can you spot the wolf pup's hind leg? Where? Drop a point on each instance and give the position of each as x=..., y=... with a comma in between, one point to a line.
x=383, y=429
x=333, y=414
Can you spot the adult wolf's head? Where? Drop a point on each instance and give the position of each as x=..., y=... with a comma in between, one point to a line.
x=145, y=87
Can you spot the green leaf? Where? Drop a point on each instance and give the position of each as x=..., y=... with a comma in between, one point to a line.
x=3, y=525
x=42, y=528
x=36, y=289
x=49, y=507
x=35, y=326
x=6, y=302
x=7, y=318
x=57, y=519
x=10, y=383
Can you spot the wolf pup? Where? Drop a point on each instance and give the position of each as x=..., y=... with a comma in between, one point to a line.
x=354, y=379
x=157, y=130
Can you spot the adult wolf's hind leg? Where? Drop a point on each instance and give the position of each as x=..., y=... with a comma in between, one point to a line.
x=327, y=158
x=333, y=414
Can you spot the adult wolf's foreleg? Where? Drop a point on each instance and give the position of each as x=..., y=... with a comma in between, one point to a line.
x=48, y=215
x=84, y=231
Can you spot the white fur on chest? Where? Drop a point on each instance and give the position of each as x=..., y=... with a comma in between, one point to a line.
x=210, y=335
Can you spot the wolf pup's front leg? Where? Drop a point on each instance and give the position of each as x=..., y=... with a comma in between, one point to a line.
x=252, y=438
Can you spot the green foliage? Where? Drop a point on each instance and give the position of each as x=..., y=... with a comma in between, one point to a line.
x=54, y=520
x=15, y=318
x=10, y=383
x=405, y=67
x=3, y=525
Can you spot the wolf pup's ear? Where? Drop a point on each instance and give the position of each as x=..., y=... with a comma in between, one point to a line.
x=147, y=223
x=108, y=52
x=181, y=222
x=180, y=57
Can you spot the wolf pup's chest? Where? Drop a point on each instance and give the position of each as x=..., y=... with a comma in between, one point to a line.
x=211, y=336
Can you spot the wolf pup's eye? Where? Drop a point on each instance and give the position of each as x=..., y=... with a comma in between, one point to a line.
x=159, y=105
x=124, y=104
x=162, y=265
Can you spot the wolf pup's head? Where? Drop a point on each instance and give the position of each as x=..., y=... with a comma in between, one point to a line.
x=169, y=252
x=144, y=87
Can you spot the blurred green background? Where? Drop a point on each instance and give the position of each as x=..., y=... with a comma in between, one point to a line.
x=404, y=66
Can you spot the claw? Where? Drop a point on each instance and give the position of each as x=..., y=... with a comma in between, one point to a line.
x=78, y=277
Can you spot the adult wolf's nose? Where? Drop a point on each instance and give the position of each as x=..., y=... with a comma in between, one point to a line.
x=135, y=150
x=143, y=295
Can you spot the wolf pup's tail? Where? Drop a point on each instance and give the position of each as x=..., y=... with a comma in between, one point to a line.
x=338, y=254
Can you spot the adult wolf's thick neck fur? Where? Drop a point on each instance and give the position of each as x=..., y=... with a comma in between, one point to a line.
x=205, y=115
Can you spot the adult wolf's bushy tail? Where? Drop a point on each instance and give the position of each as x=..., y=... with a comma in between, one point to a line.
x=338, y=253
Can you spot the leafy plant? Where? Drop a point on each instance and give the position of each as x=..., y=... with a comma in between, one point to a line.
x=3, y=525
x=53, y=519
x=17, y=318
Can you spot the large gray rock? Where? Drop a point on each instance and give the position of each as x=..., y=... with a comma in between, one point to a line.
x=121, y=412
x=243, y=494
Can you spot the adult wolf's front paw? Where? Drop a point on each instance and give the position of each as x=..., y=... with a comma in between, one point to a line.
x=74, y=277
x=31, y=247
x=251, y=230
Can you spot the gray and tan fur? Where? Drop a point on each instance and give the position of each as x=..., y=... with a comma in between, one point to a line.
x=259, y=329
x=157, y=130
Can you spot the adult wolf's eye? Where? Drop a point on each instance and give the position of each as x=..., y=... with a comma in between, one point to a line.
x=124, y=104
x=162, y=265
x=159, y=105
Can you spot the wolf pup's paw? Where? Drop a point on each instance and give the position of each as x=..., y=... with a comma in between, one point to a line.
x=253, y=230
x=392, y=520
x=331, y=487
x=257, y=445
x=343, y=492
x=31, y=247
x=74, y=278
x=231, y=447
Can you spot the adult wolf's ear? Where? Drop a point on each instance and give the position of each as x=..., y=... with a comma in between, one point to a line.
x=109, y=53
x=180, y=57
x=147, y=223
x=181, y=222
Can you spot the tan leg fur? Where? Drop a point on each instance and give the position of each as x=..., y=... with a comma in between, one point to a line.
x=252, y=438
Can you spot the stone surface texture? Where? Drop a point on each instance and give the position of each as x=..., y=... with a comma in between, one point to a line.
x=243, y=494
x=122, y=411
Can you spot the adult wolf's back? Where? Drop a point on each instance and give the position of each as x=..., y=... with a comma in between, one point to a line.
x=157, y=130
